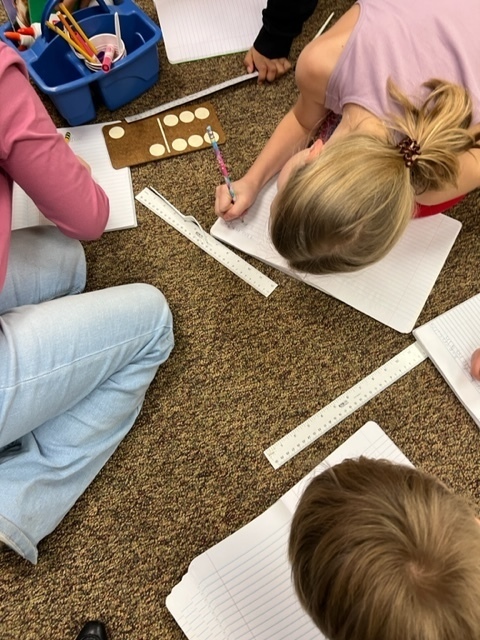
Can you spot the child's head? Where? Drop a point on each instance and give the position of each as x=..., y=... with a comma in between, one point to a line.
x=381, y=551
x=348, y=207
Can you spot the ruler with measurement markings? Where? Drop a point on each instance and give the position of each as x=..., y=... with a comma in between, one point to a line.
x=208, y=91
x=193, y=96
x=191, y=229
x=344, y=405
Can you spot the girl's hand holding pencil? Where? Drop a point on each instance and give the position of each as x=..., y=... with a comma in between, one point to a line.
x=245, y=195
x=232, y=198
x=221, y=162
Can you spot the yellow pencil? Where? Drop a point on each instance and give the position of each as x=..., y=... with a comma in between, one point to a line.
x=63, y=35
x=69, y=29
x=77, y=27
x=73, y=36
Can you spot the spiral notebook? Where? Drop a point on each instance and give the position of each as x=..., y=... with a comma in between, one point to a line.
x=392, y=291
x=241, y=588
x=88, y=142
x=450, y=339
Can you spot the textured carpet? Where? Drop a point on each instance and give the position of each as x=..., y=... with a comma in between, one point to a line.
x=245, y=370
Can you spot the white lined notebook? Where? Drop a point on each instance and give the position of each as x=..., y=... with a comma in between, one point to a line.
x=392, y=291
x=450, y=339
x=88, y=142
x=241, y=589
x=196, y=29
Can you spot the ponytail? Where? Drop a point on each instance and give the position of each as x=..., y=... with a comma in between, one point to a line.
x=348, y=207
x=441, y=127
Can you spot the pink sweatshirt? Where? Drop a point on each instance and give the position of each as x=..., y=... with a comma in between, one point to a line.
x=35, y=155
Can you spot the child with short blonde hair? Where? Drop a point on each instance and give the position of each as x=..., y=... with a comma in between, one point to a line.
x=381, y=551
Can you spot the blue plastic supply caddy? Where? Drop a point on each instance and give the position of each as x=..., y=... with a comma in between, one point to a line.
x=72, y=87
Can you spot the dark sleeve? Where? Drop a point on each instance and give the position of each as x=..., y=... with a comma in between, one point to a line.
x=282, y=22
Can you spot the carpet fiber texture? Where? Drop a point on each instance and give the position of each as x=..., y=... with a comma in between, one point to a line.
x=245, y=370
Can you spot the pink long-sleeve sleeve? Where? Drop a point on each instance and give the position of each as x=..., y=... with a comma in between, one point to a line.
x=33, y=154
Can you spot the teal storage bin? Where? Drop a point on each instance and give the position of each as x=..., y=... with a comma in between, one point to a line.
x=72, y=87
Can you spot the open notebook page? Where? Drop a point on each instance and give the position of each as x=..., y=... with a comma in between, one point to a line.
x=393, y=291
x=88, y=142
x=241, y=588
x=450, y=339
x=195, y=29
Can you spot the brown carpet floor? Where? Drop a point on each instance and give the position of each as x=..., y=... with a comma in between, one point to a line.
x=245, y=370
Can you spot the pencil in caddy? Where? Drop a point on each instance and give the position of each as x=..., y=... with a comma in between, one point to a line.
x=72, y=86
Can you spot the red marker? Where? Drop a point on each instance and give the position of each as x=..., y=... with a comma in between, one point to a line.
x=108, y=57
x=20, y=38
x=82, y=44
x=26, y=31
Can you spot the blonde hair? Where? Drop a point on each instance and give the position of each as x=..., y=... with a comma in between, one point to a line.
x=381, y=551
x=347, y=208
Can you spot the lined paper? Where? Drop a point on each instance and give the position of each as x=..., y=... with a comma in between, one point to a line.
x=392, y=291
x=88, y=142
x=450, y=339
x=195, y=29
x=241, y=588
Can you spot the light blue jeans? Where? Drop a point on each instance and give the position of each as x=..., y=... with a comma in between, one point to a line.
x=74, y=370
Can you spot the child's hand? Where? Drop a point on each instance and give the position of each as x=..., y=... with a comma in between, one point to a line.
x=475, y=365
x=268, y=69
x=245, y=195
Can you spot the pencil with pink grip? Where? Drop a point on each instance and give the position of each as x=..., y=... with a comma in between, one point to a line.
x=221, y=162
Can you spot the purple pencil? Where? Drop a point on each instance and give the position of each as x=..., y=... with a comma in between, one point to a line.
x=221, y=162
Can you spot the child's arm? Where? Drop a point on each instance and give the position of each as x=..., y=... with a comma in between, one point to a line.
x=282, y=22
x=293, y=133
x=37, y=158
x=290, y=136
x=314, y=68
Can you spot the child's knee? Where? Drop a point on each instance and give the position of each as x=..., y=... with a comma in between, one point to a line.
x=151, y=302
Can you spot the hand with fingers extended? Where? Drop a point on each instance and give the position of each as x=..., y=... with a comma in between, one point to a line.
x=269, y=69
x=245, y=195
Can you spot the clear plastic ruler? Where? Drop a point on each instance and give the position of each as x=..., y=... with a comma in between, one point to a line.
x=344, y=405
x=193, y=96
x=191, y=229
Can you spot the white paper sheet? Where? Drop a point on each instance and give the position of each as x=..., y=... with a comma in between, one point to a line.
x=88, y=142
x=241, y=588
x=393, y=291
x=450, y=339
x=195, y=29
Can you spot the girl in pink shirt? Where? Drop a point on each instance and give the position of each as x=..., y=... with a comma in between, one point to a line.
x=74, y=367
